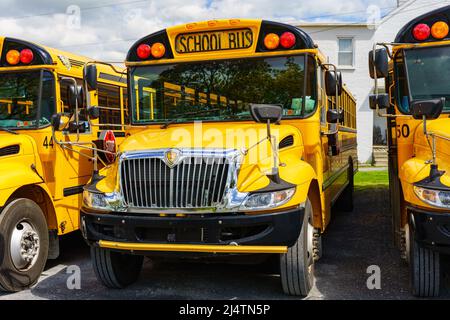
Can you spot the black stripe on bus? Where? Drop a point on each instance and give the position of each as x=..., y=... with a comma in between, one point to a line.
x=110, y=77
x=73, y=190
x=117, y=134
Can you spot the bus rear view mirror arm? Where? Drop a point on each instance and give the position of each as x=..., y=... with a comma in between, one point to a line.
x=429, y=110
x=379, y=68
x=267, y=113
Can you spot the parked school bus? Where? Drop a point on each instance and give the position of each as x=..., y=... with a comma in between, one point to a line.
x=249, y=139
x=418, y=90
x=42, y=180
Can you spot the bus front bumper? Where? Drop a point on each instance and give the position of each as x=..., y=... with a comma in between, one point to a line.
x=145, y=234
x=432, y=229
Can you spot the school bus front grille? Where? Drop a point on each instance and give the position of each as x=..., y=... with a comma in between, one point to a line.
x=196, y=182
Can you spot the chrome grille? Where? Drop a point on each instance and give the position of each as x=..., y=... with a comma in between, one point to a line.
x=195, y=182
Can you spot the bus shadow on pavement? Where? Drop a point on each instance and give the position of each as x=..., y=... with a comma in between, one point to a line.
x=360, y=239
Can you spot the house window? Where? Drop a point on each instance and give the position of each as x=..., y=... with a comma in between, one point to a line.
x=345, y=55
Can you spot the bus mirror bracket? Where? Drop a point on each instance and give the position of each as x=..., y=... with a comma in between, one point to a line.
x=379, y=68
x=269, y=114
x=429, y=110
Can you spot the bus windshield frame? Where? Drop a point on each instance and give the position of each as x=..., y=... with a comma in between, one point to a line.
x=424, y=69
x=307, y=106
x=48, y=93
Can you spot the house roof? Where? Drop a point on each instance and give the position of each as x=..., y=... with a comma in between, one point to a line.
x=401, y=6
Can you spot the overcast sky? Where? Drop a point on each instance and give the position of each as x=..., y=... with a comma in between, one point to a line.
x=105, y=29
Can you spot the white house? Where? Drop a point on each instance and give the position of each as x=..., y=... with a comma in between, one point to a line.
x=347, y=45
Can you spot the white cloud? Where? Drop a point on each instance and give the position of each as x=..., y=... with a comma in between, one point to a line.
x=108, y=28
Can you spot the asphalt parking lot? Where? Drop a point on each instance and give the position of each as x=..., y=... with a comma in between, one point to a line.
x=353, y=242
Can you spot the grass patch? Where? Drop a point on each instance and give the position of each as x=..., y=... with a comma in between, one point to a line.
x=371, y=179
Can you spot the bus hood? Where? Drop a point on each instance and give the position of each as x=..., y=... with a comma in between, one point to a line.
x=440, y=127
x=11, y=144
x=255, y=165
x=207, y=136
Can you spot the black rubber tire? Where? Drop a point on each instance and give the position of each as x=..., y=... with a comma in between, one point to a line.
x=345, y=202
x=297, y=275
x=114, y=269
x=425, y=270
x=21, y=210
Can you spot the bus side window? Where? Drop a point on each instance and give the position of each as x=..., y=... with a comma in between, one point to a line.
x=48, y=100
x=402, y=91
x=109, y=104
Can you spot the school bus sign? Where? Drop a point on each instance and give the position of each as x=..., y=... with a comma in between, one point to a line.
x=214, y=41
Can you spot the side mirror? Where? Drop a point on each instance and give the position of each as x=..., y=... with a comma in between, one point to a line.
x=262, y=113
x=334, y=116
x=382, y=100
x=75, y=94
x=59, y=122
x=94, y=112
x=333, y=144
x=380, y=63
x=90, y=76
x=430, y=109
x=333, y=81
x=77, y=127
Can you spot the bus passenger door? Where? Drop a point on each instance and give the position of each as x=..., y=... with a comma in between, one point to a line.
x=73, y=166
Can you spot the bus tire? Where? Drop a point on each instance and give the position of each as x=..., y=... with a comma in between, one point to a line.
x=297, y=265
x=345, y=202
x=23, y=245
x=425, y=269
x=114, y=269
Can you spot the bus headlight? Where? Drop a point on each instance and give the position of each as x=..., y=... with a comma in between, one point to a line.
x=435, y=198
x=267, y=200
x=102, y=201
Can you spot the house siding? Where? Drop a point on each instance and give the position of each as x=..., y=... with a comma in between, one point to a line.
x=357, y=78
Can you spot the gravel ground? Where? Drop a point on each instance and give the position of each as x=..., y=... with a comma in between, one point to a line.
x=353, y=242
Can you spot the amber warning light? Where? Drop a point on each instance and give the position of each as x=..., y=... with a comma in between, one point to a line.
x=13, y=57
x=439, y=30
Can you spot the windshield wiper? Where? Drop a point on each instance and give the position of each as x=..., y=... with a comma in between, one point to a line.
x=8, y=130
x=168, y=123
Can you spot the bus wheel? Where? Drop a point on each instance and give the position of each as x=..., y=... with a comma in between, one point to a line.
x=425, y=269
x=297, y=265
x=23, y=245
x=115, y=269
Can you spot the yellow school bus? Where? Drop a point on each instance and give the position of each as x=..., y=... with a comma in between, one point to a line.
x=42, y=180
x=418, y=103
x=249, y=139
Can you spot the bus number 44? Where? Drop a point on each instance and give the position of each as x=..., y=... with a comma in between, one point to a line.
x=48, y=142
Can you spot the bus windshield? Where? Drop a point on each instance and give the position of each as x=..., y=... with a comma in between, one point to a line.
x=21, y=94
x=428, y=71
x=223, y=90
